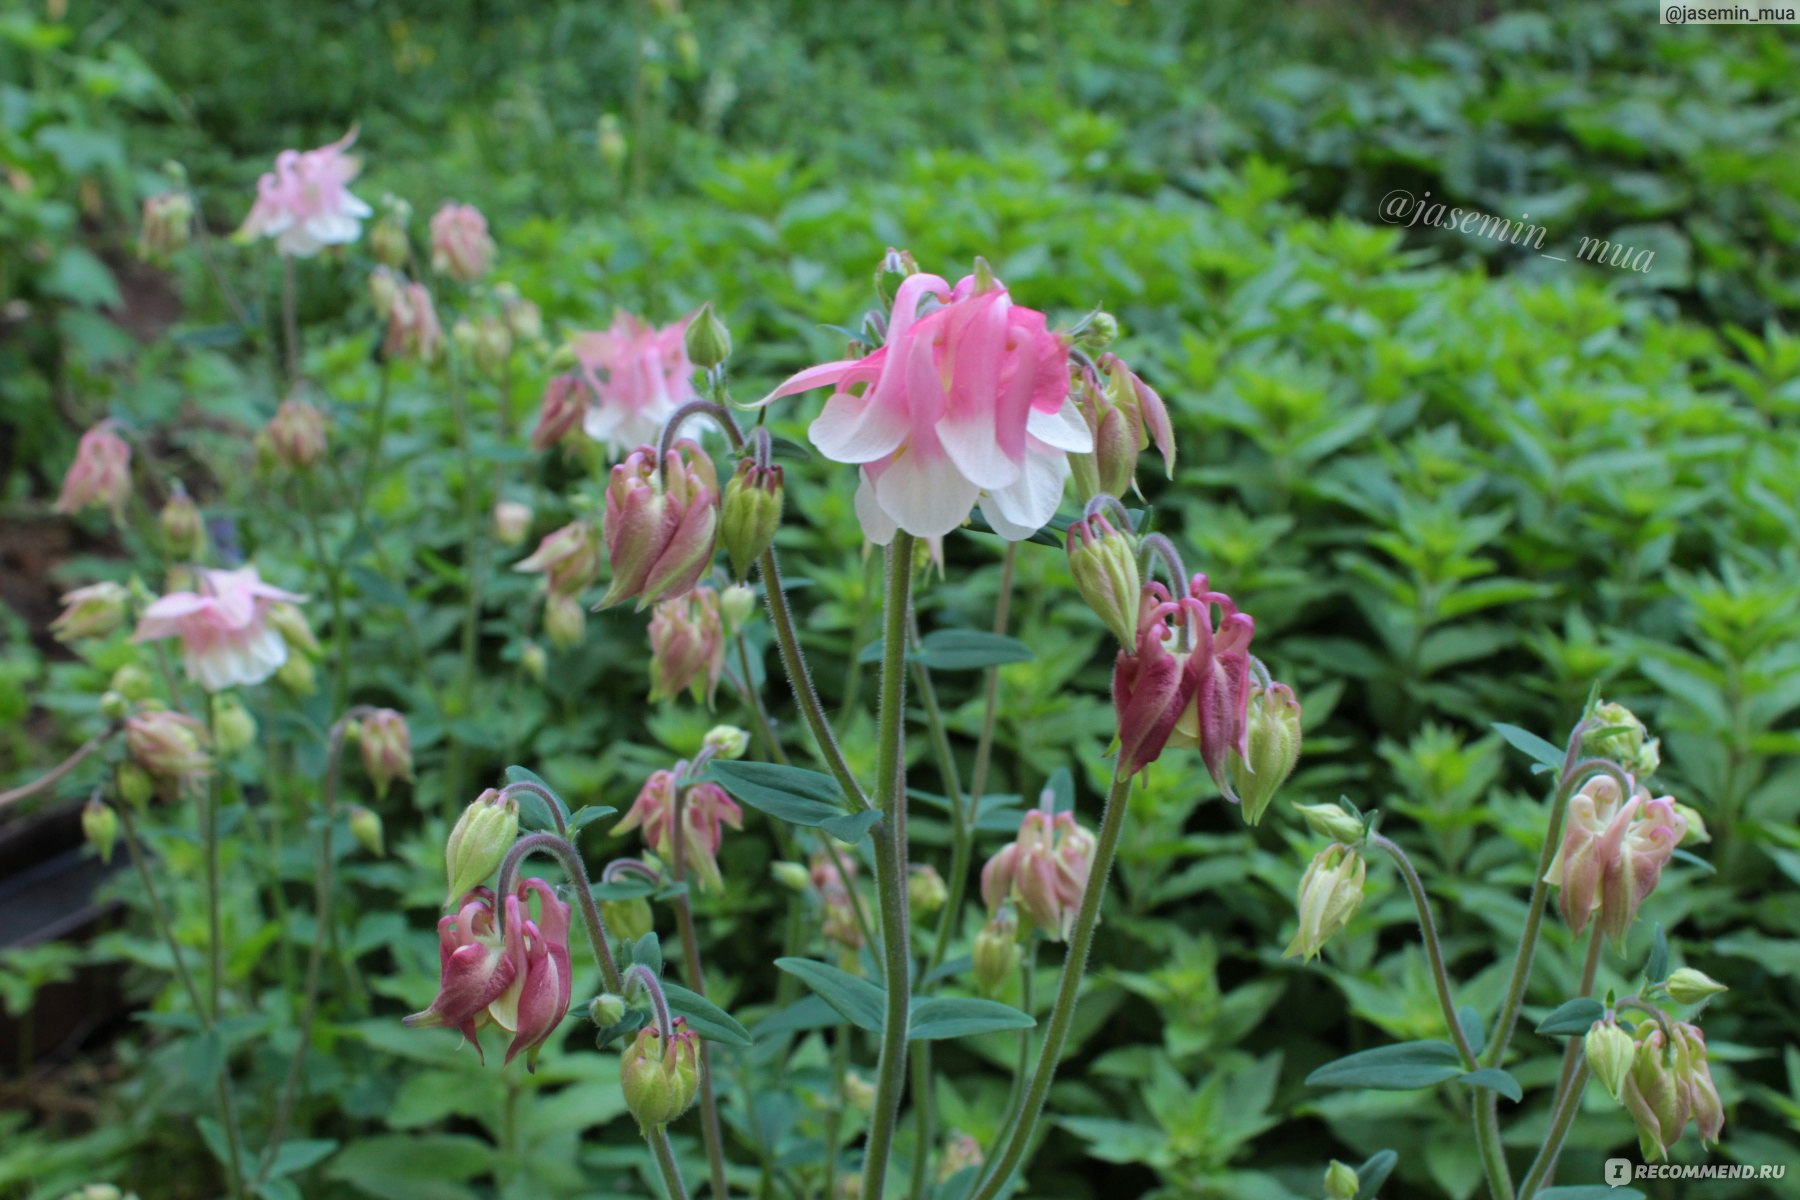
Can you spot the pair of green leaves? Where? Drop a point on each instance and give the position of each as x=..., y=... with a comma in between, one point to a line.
x=795, y=795
x=863, y=1003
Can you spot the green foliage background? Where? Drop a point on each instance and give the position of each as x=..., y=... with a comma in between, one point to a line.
x=1456, y=483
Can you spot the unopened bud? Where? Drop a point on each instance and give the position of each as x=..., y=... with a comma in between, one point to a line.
x=659, y=1080
x=926, y=891
x=93, y=611
x=297, y=676
x=607, y=1010
x=996, y=952
x=1696, y=824
x=1332, y=821
x=114, y=706
x=750, y=514
x=1273, y=739
x=296, y=434
x=133, y=682
x=167, y=224
x=791, y=875
x=961, y=1153
x=727, y=741
x=135, y=785
x=736, y=603
x=365, y=827
x=512, y=521
x=1609, y=1051
x=1619, y=735
x=233, y=726
x=386, y=745
x=483, y=834
x=859, y=1093
x=533, y=661
x=1688, y=986
x=183, y=532
x=1099, y=332
x=628, y=918
x=385, y=291
x=1330, y=893
x=286, y=619
x=100, y=826
x=1341, y=1182
x=565, y=620
x=171, y=747
x=1104, y=563
x=708, y=341
x=387, y=237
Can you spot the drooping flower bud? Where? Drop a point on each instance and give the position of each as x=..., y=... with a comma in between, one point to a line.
x=512, y=521
x=561, y=411
x=297, y=676
x=705, y=810
x=995, y=954
x=568, y=558
x=168, y=223
x=287, y=619
x=134, y=783
x=114, y=706
x=1097, y=333
x=1688, y=986
x=533, y=661
x=233, y=727
x=385, y=288
x=183, y=532
x=631, y=918
x=1044, y=871
x=386, y=745
x=606, y=1010
x=736, y=603
x=834, y=887
x=522, y=316
x=750, y=514
x=926, y=891
x=687, y=646
x=1332, y=821
x=133, y=682
x=1125, y=416
x=100, y=475
x=1694, y=1076
x=100, y=826
x=1612, y=855
x=565, y=621
x=387, y=238
x=1330, y=893
x=1696, y=824
x=727, y=741
x=460, y=245
x=961, y=1153
x=1341, y=1182
x=93, y=611
x=169, y=746
x=791, y=875
x=1619, y=735
x=413, y=330
x=1273, y=740
x=658, y=1079
x=1105, y=566
x=296, y=434
x=483, y=834
x=707, y=340
x=1653, y=1093
x=366, y=828
x=1609, y=1051
x=660, y=523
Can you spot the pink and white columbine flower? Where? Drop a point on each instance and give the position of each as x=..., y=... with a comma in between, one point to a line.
x=305, y=202
x=1044, y=871
x=100, y=474
x=968, y=401
x=705, y=810
x=1613, y=853
x=460, y=245
x=637, y=376
x=226, y=638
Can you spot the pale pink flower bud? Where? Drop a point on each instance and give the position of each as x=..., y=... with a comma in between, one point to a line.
x=226, y=637
x=90, y=612
x=386, y=746
x=1044, y=871
x=569, y=559
x=561, y=411
x=168, y=221
x=100, y=475
x=512, y=521
x=1612, y=854
x=305, y=203
x=460, y=245
x=660, y=525
x=296, y=434
x=170, y=747
x=413, y=330
x=565, y=620
x=687, y=646
x=706, y=810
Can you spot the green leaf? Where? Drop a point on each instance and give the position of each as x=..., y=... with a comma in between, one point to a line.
x=1532, y=745
x=80, y=278
x=1392, y=1068
x=860, y=1002
x=403, y=1167
x=1656, y=967
x=704, y=1017
x=1374, y=1172
x=1472, y=1028
x=1572, y=1018
x=587, y=814
x=534, y=810
x=205, y=1058
x=941, y=1017
x=791, y=794
x=299, y=1155
x=213, y=1134
x=1061, y=788
x=1694, y=860
x=970, y=650
x=852, y=827
x=1494, y=1080
x=806, y=1013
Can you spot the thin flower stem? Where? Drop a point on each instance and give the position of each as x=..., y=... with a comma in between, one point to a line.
x=646, y=980
x=1434, y=951
x=890, y=867
x=471, y=579
x=1016, y=1093
x=759, y=715
x=1068, y=989
x=334, y=586
x=834, y=1116
x=324, y=879
x=924, y=1118
x=1569, y=1084
x=210, y=834
x=56, y=773
x=690, y=954
x=290, y=321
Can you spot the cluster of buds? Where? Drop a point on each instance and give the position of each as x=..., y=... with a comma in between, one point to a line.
x=1043, y=871
x=93, y=611
x=561, y=410
x=295, y=436
x=487, y=341
x=750, y=514
x=460, y=245
x=1616, y=733
x=169, y=747
x=661, y=522
x=703, y=809
x=687, y=646
x=659, y=1075
x=1125, y=416
x=570, y=562
x=100, y=476
x=479, y=841
x=1613, y=853
x=168, y=222
x=183, y=531
x=386, y=746
x=517, y=976
x=1271, y=746
x=1104, y=562
x=1330, y=893
x=1668, y=1084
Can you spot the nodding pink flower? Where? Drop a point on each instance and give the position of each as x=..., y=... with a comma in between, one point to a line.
x=638, y=374
x=170, y=747
x=538, y=999
x=1668, y=1083
x=413, y=329
x=1613, y=853
x=1044, y=871
x=705, y=810
x=967, y=402
x=687, y=646
x=226, y=638
x=305, y=202
x=661, y=524
x=568, y=558
x=296, y=434
x=100, y=474
x=1125, y=417
x=460, y=245
x=561, y=411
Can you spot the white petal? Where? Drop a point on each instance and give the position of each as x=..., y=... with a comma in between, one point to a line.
x=1026, y=506
x=927, y=498
x=1064, y=429
x=877, y=526
x=856, y=429
x=973, y=445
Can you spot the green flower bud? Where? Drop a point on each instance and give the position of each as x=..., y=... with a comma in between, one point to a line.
x=659, y=1081
x=482, y=836
x=533, y=661
x=606, y=1010
x=133, y=682
x=100, y=826
x=926, y=891
x=1104, y=563
x=1097, y=333
x=1688, y=986
x=708, y=341
x=183, y=532
x=996, y=952
x=1330, y=893
x=297, y=676
x=628, y=918
x=233, y=726
x=1274, y=745
x=286, y=619
x=1609, y=1051
x=114, y=706
x=365, y=827
x=859, y=1093
x=1696, y=824
x=135, y=784
x=1621, y=737
x=727, y=741
x=736, y=603
x=791, y=875
x=750, y=514
x=1341, y=1182
x=387, y=237
x=1331, y=821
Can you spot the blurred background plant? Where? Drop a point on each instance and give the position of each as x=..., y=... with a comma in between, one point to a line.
x=1455, y=482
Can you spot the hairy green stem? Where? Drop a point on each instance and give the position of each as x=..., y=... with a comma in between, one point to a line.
x=890, y=867
x=1434, y=951
x=1569, y=1084
x=806, y=696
